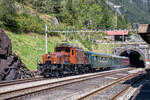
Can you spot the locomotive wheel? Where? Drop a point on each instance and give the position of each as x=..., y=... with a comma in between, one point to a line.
x=57, y=74
x=76, y=71
x=61, y=73
x=46, y=76
x=46, y=73
x=88, y=70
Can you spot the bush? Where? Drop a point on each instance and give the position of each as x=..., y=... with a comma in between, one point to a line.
x=27, y=23
x=22, y=23
x=23, y=1
x=9, y=22
x=12, y=21
x=1, y=24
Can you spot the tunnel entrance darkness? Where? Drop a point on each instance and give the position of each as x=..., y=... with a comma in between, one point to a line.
x=135, y=58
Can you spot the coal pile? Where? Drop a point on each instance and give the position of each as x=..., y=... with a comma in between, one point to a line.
x=11, y=67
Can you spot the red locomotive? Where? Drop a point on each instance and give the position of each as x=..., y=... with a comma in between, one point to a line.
x=66, y=59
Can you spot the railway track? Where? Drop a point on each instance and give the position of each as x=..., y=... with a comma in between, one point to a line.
x=32, y=88
x=98, y=92
x=127, y=88
x=20, y=81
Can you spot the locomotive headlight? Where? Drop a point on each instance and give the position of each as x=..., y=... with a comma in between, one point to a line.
x=48, y=56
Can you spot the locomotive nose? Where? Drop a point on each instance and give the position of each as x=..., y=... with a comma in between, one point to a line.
x=52, y=58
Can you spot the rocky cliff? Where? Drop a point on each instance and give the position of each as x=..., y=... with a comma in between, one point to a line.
x=11, y=66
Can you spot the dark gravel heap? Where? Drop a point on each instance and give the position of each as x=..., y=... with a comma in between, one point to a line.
x=11, y=67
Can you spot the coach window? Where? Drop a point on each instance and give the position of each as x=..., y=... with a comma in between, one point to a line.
x=96, y=57
x=104, y=58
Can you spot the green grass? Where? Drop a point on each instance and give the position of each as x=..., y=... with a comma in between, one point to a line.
x=31, y=47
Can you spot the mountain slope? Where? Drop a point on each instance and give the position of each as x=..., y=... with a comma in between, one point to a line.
x=137, y=11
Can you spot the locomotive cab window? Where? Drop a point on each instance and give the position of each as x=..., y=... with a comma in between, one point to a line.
x=63, y=49
x=72, y=52
x=67, y=50
x=58, y=49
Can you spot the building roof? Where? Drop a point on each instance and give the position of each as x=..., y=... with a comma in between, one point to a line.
x=117, y=32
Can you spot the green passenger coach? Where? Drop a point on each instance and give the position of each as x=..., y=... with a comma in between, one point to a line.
x=102, y=61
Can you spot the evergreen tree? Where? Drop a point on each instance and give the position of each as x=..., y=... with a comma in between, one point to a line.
x=8, y=7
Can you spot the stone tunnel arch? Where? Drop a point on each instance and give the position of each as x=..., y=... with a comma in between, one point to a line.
x=136, y=56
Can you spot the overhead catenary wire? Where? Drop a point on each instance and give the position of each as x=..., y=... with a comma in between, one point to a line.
x=87, y=31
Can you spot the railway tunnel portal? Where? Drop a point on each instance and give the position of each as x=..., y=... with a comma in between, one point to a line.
x=136, y=57
x=138, y=53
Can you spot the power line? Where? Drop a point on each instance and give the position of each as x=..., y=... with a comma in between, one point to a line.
x=87, y=31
